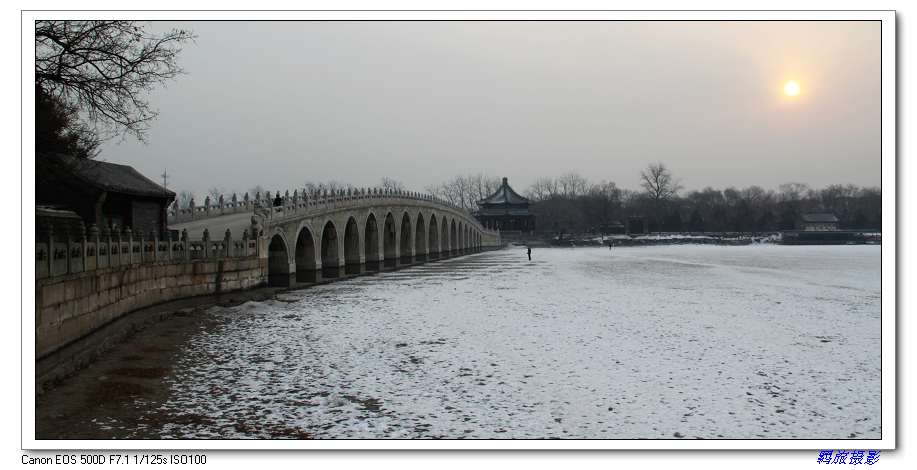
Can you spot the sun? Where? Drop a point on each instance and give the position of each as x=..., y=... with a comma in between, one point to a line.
x=791, y=88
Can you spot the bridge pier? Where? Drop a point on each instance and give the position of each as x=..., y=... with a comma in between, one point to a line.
x=308, y=276
x=282, y=279
x=352, y=269
x=308, y=271
x=373, y=266
x=331, y=272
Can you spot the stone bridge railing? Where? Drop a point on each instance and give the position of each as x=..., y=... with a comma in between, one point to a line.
x=297, y=201
x=59, y=254
x=295, y=207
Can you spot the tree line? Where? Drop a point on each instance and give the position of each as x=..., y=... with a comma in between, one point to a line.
x=571, y=203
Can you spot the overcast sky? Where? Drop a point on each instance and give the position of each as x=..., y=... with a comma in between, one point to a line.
x=282, y=103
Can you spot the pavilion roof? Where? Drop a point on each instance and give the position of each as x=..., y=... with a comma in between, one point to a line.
x=503, y=195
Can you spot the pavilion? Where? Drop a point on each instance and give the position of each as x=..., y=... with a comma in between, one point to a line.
x=505, y=210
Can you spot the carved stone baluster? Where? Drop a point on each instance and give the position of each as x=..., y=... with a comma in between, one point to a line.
x=256, y=236
x=155, y=238
x=69, y=242
x=168, y=244
x=141, y=247
x=130, y=246
x=49, y=235
x=94, y=239
x=206, y=244
x=227, y=244
x=186, y=245
x=106, y=237
x=83, y=242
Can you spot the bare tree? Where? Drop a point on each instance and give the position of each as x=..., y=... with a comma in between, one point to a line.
x=793, y=192
x=391, y=184
x=542, y=189
x=103, y=68
x=462, y=191
x=658, y=182
x=659, y=186
x=572, y=185
x=183, y=198
x=482, y=186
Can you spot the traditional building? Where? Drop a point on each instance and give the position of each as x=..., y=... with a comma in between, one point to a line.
x=505, y=210
x=817, y=222
x=102, y=193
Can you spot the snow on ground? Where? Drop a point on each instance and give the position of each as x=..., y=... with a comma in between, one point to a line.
x=759, y=341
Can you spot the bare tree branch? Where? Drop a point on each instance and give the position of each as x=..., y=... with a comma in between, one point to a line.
x=103, y=68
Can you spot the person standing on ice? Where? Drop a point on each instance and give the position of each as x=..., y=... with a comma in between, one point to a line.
x=529, y=252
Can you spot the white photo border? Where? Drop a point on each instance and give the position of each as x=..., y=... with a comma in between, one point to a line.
x=888, y=254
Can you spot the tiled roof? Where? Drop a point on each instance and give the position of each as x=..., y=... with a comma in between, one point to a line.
x=112, y=177
x=503, y=195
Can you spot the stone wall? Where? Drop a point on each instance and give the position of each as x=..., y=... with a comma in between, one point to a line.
x=69, y=308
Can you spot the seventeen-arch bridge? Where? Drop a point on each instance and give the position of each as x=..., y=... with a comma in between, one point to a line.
x=310, y=239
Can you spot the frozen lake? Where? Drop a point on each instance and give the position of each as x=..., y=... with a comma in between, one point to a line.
x=656, y=342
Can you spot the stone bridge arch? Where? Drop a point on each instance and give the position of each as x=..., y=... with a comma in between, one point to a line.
x=353, y=257
x=453, y=238
x=278, y=260
x=444, y=237
x=390, y=235
x=371, y=242
x=306, y=261
x=433, y=238
x=330, y=249
x=364, y=233
x=406, y=246
x=461, y=237
x=420, y=238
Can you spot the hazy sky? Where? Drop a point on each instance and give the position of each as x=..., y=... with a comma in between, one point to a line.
x=282, y=103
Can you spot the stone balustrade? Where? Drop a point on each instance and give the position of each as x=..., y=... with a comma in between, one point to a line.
x=297, y=201
x=59, y=254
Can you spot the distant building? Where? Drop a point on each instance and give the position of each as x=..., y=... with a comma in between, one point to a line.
x=505, y=210
x=614, y=227
x=817, y=222
x=103, y=193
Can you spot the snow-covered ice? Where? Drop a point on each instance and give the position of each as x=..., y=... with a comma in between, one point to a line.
x=663, y=342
